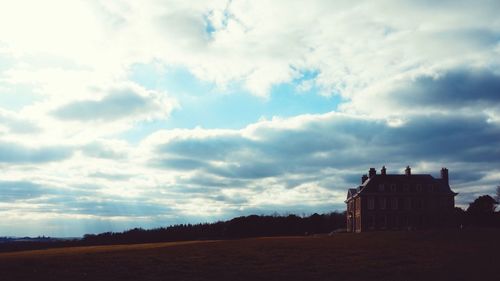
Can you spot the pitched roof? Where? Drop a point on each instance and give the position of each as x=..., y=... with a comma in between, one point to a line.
x=423, y=179
x=402, y=179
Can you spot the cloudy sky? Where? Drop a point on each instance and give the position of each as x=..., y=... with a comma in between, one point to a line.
x=120, y=114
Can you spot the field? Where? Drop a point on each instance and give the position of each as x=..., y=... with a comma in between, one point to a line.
x=418, y=255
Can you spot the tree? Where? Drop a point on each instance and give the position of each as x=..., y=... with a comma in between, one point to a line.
x=483, y=205
x=481, y=212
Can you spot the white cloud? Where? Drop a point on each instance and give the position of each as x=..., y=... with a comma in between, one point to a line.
x=257, y=43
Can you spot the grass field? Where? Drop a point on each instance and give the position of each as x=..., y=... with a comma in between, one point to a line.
x=418, y=255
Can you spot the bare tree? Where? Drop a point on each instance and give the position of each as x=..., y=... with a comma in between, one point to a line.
x=498, y=194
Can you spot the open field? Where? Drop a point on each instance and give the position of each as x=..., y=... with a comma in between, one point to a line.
x=419, y=255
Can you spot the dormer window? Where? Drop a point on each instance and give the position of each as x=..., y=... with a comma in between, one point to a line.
x=419, y=188
x=381, y=187
x=393, y=188
x=406, y=187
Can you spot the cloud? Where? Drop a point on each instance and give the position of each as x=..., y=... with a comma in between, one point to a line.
x=18, y=154
x=16, y=125
x=176, y=163
x=106, y=149
x=466, y=90
x=111, y=176
x=455, y=88
x=109, y=207
x=260, y=44
x=323, y=149
x=19, y=190
x=118, y=104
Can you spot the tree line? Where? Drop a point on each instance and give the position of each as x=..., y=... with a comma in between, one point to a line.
x=240, y=227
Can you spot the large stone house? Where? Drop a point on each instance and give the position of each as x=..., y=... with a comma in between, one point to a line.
x=385, y=201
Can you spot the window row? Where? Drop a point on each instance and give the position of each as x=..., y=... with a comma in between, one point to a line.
x=384, y=221
x=408, y=203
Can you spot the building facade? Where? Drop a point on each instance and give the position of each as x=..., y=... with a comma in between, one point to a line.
x=393, y=201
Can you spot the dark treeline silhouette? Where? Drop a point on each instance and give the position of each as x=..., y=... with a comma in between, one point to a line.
x=240, y=227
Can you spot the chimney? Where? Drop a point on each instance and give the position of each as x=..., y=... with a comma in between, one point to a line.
x=364, y=178
x=444, y=175
x=372, y=172
x=383, y=171
x=408, y=171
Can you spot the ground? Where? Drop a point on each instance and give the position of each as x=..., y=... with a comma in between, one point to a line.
x=468, y=254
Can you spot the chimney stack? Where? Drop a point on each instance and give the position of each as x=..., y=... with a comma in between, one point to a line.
x=364, y=178
x=372, y=172
x=383, y=171
x=408, y=171
x=444, y=175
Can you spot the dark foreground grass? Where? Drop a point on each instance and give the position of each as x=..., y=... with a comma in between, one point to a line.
x=420, y=255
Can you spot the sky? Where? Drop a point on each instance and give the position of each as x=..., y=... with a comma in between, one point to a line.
x=121, y=114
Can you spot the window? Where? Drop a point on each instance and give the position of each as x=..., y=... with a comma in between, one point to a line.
x=393, y=188
x=382, y=203
x=394, y=203
x=381, y=187
x=418, y=203
x=419, y=188
x=371, y=203
x=432, y=203
x=371, y=221
x=406, y=187
x=408, y=203
x=383, y=221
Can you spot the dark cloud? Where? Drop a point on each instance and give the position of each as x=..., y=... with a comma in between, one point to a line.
x=72, y=203
x=215, y=148
x=345, y=146
x=457, y=88
x=19, y=190
x=117, y=105
x=203, y=179
x=178, y=163
x=18, y=154
x=233, y=200
x=113, y=207
x=251, y=169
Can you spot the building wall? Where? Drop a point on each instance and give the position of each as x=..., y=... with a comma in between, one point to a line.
x=398, y=210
